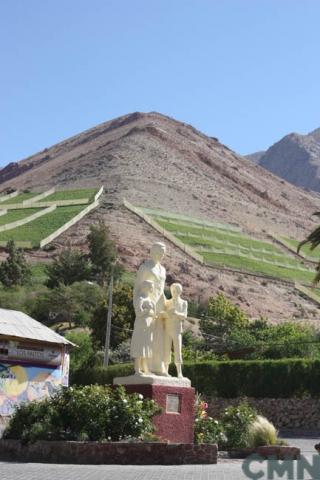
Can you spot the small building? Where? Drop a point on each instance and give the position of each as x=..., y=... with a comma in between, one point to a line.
x=34, y=361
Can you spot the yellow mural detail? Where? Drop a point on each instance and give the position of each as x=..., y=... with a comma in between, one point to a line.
x=15, y=386
x=26, y=383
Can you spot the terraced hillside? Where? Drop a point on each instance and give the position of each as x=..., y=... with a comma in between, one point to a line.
x=33, y=224
x=305, y=251
x=155, y=161
x=19, y=198
x=78, y=194
x=227, y=246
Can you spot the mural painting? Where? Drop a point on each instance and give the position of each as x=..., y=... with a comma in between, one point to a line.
x=20, y=383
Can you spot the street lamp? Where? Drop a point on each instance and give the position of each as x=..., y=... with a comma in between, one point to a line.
x=108, y=329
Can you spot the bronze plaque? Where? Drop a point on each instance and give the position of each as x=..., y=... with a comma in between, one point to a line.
x=173, y=403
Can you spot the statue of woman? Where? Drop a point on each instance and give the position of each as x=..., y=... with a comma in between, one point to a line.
x=141, y=341
x=153, y=271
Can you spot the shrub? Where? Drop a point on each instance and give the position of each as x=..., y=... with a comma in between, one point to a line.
x=206, y=429
x=194, y=348
x=88, y=413
x=236, y=423
x=69, y=267
x=262, y=432
x=84, y=354
x=284, y=378
x=222, y=317
x=122, y=317
x=227, y=330
x=120, y=354
x=73, y=304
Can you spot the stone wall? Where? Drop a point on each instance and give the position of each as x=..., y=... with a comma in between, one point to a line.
x=285, y=413
x=107, y=453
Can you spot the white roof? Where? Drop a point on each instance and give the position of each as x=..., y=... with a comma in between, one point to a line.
x=18, y=324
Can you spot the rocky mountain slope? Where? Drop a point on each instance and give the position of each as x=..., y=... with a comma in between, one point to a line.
x=296, y=158
x=153, y=160
x=255, y=157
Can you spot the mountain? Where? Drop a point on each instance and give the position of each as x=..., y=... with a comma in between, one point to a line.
x=255, y=157
x=156, y=161
x=295, y=158
x=315, y=134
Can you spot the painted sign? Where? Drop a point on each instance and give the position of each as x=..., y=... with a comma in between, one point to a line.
x=20, y=383
x=10, y=350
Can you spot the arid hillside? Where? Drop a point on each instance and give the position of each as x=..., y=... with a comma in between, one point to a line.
x=296, y=158
x=152, y=160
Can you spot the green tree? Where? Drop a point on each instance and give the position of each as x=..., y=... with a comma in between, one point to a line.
x=122, y=317
x=69, y=267
x=83, y=355
x=222, y=317
x=102, y=253
x=15, y=269
x=73, y=304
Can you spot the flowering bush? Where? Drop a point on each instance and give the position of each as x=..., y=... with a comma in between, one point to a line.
x=84, y=413
x=206, y=429
x=236, y=422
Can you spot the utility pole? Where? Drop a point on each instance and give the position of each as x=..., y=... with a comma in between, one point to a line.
x=108, y=330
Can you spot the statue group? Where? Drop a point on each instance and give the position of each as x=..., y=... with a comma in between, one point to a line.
x=159, y=322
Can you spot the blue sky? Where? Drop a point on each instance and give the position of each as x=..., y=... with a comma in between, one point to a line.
x=245, y=71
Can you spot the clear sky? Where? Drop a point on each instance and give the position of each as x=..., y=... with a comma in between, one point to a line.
x=245, y=71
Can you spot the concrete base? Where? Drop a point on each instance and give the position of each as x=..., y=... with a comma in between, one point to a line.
x=176, y=422
x=152, y=380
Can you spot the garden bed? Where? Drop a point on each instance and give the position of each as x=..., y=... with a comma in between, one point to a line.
x=108, y=453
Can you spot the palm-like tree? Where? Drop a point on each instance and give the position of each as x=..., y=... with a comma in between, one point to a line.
x=314, y=240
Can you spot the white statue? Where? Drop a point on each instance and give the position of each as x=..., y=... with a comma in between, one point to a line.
x=158, y=324
x=175, y=313
x=153, y=271
x=141, y=342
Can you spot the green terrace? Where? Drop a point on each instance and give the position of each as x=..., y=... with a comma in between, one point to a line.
x=21, y=197
x=227, y=246
x=79, y=194
x=41, y=227
x=34, y=231
x=18, y=214
x=313, y=255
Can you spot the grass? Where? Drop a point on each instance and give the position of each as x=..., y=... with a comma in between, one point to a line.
x=236, y=250
x=39, y=274
x=234, y=239
x=43, y=226
x=71, y=195
x=19, y=214
x=19, y=198
x=255, y=266
x=157, y=213
x=305, y=251
x=202, y=245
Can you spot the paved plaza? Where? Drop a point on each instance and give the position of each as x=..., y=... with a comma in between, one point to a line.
x=221, y=471
x=224, y=470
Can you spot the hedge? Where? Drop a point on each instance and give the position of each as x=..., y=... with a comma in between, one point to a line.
x=283, y=378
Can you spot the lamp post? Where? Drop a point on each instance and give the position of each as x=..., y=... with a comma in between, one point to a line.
x=108, y=329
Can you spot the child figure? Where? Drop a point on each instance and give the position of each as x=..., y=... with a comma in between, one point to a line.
x=141, y=341
x=176, y=311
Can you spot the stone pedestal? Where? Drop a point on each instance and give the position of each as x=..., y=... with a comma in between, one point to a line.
x=175, y=396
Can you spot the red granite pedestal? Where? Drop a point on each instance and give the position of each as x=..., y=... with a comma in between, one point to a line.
x=176, y=422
